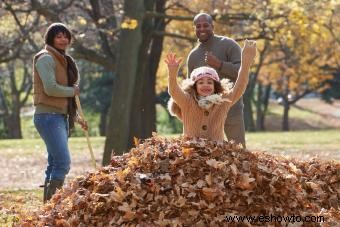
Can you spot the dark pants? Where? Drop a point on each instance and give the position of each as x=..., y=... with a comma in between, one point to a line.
x=234, y=125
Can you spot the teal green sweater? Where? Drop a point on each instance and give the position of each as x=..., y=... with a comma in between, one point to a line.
x=45, y=66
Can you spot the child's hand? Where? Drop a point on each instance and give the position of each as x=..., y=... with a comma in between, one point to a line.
x=248, y=51
x=172, y=62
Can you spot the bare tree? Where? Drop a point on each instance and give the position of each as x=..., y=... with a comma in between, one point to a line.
x=19, y=91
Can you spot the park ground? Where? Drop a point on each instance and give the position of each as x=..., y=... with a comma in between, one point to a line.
x=316, y=135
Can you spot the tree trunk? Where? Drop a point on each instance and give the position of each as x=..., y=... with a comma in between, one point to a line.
x=285, y=118
x=143, y=81
x=13, y=125
x=265, y=103
x=12, y=111
x=249, y=93
x=119, y=125
x=285, y=103
x=3, y=114
x=259, y=111
x=143, y=116
x=248, y=111
x=149, y=92
x=102, y=123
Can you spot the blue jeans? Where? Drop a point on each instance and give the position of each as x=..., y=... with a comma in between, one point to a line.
x=53, y=129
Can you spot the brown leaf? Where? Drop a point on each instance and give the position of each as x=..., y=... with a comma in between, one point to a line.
x=210, y=193
x=245, y=182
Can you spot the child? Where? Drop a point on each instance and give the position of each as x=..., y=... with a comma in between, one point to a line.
x=202, y=105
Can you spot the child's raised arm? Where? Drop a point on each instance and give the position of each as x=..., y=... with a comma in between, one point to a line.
x=248, y=55
x=175, y=91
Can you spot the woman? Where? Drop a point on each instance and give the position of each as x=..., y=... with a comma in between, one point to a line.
x=55, y=84
x=203, y=103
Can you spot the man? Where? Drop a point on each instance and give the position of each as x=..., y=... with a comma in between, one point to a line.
x=224, y=55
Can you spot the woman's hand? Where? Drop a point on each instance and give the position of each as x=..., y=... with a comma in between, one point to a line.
x=82, y=123
x=76, y=89
x=248, y=52
x=173, y=63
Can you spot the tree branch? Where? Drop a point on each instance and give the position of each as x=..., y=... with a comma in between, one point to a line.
x=96, y=15
x=49, y=13
x=26, y=85
x=84, y=53
x=24, y=32
x=297, y=97
x=172, y=17
x=179, y=36
x=9, y=53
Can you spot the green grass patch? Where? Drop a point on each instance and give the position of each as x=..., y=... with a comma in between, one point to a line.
x=324, y=144
x=24, y=147
x=296, y=138
x=275, y=109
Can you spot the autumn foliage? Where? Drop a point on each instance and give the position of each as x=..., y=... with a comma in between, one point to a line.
x=193, y=182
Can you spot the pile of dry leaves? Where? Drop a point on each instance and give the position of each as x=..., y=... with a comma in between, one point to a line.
x=194, y=183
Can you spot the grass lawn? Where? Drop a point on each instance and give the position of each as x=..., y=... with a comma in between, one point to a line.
x=299, y=144
x=33, y=146
x=306, y=114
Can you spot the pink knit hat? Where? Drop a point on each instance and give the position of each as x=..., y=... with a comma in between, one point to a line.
x=202, y=72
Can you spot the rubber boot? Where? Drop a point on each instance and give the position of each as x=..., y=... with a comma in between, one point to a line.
x=52, y=187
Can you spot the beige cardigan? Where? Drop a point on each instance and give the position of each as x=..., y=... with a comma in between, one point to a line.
x=209, y=124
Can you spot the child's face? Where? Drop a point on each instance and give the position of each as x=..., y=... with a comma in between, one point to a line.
x=205, y=86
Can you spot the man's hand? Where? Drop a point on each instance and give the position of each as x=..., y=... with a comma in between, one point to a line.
x=212, y=60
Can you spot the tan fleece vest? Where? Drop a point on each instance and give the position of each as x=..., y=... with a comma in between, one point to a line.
x=39, y=96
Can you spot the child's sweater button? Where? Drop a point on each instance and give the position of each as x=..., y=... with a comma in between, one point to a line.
x=204, y=127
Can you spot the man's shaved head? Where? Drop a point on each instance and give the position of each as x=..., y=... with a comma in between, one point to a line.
x=204, y=27
x=207, y=16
